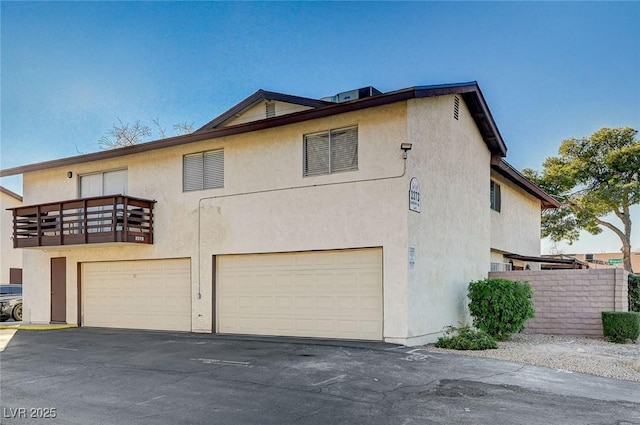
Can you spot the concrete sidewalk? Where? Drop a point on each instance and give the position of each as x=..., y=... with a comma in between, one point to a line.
x=34, y=326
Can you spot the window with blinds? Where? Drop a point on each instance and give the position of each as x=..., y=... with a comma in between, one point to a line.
x=204, y=170
x=331, y=151
x=495, y=196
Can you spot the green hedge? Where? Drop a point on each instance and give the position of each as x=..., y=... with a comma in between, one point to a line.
x=466, y=338
x=634, y=292
x=621, y=326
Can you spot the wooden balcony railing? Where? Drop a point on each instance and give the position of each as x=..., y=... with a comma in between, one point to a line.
x=114, y=218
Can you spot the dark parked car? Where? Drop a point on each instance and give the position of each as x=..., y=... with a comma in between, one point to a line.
x=10, y=302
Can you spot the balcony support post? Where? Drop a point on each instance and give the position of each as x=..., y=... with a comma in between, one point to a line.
x=151, y=223
x=60, y=226
x=85, y=222
x=125, y=221
x=39, y=225
x=114, y=218
x=15, y=228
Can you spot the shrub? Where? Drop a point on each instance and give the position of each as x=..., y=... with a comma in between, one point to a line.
x=621, y=326
x=634, y=292
x=465, y=338
x=500, y=307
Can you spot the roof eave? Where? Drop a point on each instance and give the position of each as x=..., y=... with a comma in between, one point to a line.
x=258, y=96
x=490, y=133
x=508, y=171
x=10, y=193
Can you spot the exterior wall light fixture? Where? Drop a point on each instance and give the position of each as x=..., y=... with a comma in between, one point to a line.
x=69, y=174
x=405, y=148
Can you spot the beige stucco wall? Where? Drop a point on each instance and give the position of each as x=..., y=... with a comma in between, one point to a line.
x=297, y=213
x=267, y=206
x=516, y=228
x=9, y=257
x=450, y=234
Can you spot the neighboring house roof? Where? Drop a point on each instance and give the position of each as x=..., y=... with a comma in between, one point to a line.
x=10, y=193
x=548, y=260
x=261, y=95
x=508, y=171
x=470, y=92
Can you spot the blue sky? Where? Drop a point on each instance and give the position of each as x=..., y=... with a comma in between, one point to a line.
x=548, y=70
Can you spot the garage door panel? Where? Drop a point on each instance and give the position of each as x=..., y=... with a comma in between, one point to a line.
x=334, y=294
x=143, y=294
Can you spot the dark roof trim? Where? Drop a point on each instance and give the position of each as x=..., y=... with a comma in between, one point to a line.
x=469, y=91
x=509, y=172
x=10, y=193
x=257, y=97
x=545, y=259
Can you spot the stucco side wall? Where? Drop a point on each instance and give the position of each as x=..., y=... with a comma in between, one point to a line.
x=516, y=228
x=9, y=257
x=450, y=235
x=265, y=206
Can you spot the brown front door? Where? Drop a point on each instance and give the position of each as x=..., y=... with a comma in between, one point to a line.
x=15, y=276
x=59, y=290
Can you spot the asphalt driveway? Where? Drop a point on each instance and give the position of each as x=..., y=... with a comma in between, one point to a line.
x=97, y=376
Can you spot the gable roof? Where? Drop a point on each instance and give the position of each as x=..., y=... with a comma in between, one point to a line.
x=470, y=92
x=10, y=193
x=260, y=95
x=508, y=171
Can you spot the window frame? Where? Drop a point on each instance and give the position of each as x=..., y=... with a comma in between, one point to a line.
x=329, y=157
x=495, y=196
x=102, y=181
x=202, y=170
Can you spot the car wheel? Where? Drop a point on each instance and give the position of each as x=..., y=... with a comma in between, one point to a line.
x=17, y=313
x=3, y=319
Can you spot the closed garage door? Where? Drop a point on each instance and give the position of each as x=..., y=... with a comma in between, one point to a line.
x=149, y=294
x=330, y=294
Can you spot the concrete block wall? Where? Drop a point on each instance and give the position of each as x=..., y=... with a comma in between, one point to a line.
x=570, y=302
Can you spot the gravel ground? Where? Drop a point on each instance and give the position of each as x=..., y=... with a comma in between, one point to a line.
x=577, y=354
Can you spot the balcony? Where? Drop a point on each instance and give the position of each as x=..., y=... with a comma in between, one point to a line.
x=114, y=218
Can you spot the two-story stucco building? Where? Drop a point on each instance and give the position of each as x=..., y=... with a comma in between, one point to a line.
x=10, y=258
x=361, y=216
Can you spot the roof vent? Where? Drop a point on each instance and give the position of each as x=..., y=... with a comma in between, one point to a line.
x=347, y=96
x=270, y=109
x=456, y=107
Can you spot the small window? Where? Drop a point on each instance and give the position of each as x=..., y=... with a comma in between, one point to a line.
x=204, y=170
x=331, y=151
x=495, y=196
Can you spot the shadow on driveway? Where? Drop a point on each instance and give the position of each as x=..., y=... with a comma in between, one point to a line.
x=139, y=377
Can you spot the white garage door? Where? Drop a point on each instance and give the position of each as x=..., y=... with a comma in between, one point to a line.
x=331, y=294
x=149, y=294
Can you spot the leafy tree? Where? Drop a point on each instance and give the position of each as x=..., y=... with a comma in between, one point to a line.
x=592, y=177
x=128, y=134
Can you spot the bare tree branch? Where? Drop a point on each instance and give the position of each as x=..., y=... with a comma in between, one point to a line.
x=124, y=134
x=183, y=128
x=161, y=130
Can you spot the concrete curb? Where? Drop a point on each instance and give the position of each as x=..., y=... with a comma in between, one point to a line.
x=38, y=327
